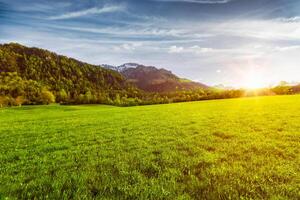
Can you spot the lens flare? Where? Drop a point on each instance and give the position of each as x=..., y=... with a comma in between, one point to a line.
x=253, y=80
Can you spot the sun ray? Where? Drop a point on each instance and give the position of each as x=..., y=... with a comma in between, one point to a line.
x=253, y=79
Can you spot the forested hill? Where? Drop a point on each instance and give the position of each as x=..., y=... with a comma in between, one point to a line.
x=36, y=75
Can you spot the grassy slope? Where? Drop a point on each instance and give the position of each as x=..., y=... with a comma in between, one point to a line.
x=212, y=149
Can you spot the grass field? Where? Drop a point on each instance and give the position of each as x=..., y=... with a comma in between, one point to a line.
x=225, y=149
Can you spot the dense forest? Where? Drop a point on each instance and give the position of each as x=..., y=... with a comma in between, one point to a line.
x=36, y=76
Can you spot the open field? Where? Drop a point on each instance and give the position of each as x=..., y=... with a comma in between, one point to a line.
x=226, y=149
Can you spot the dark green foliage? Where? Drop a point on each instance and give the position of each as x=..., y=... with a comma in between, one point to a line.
x=69, y=80
x=13, y=86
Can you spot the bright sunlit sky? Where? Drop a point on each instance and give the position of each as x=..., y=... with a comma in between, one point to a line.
x=241, y=43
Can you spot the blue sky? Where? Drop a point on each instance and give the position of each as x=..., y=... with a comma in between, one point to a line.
x=232, y=42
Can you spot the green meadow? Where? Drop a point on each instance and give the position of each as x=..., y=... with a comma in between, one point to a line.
x=244, y=148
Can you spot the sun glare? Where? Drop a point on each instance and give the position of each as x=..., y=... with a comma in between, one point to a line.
x=253, y=80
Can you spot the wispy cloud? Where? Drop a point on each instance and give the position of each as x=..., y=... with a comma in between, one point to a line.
x=287, y=48
x=198, y=1
x=127, y=46
x=41, y=7
x=175, y=49
x=290, y=19
x=140, y=32
x=268, y=30
x=193, y=49
x=90, y=11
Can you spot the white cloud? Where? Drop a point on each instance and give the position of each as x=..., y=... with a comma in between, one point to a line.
x=199, y=50
x=287, y=48
x=193, y=49
x=267, y=30
x=175, y=49
x=128, y=46
x=132, y=31
x=90, y=11
x=290, y=19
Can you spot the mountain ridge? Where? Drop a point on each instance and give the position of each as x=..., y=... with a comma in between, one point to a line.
x=153, y=79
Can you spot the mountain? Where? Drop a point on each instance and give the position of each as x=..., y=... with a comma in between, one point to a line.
x=27, y=71
x=120, y=68
x=152, y=79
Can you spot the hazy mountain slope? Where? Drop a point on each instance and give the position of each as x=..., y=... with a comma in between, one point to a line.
x=152, y=79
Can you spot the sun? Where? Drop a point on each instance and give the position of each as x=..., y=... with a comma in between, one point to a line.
x=253, y=80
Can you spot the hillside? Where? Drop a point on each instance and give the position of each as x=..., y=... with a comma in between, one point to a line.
x=68, y=79
x=152, y=79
